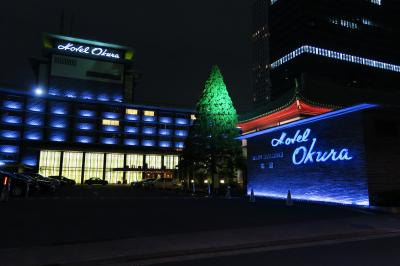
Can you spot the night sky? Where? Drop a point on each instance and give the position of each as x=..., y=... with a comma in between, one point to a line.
x=176, y=42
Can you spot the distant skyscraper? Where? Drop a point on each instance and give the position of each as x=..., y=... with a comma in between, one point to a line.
x=332, y=45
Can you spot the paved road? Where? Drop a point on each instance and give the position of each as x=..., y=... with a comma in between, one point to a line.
x=102, y=214
x=377, y=252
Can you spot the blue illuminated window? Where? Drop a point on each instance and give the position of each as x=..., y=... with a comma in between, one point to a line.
x=33, y=134
x=179, y=145
x=11, y=119
x=9, y=149
x=34, y=120
x=181, y=121
x=165, y=144
x=30, y=160
x=103, y=97
x=10, y=134
x=58, y=123
x=85, y=126
x=166, y=120
x=86, y=113
x=15, y=105
x=110, y=115
x=117, y=98
x=335, y=55
x=34, y=105
x=132, y=117
x=149, y=130
x=59, y=109
x=181, y=133
x=165, y=132
x=84, y=139
x=110, y=128
x=54, y=92
x=131, y=142
x=109, y=141
x=148, y=143
x=70, y=94
x=58, y=136
x=86, y=95
x=132, y=130
x=149, y=118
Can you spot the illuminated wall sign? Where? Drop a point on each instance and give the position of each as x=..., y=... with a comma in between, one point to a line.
x=304, y=155
x=82, y=49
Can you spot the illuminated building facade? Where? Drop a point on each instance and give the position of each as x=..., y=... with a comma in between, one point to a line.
x=336, y=46
x=346, y=156
x=71, y=125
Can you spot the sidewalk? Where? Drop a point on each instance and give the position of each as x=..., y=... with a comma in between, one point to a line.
x=147, y=248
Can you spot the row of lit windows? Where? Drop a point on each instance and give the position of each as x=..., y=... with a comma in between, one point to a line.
x=72, y=165
x=350, y=24
x=334, y=55
x=109, y=122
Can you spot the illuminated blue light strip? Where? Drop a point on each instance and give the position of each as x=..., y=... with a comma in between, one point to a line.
x=13, y=105
x=10, y=134
x=181, y=121
x=267, y=194
x=110, y=115
x=9, y=149
x=12, y=119
x=165, y=120
x=149, y=118
x=132, y=130
x=165, y=144
x=334, y=55
x=109, y=141
x=305, y=121
x=131, y=142
x=111, y=128
x=132, y=117
x=148, y=143
x=165, y=132
x=84, y=139
x=179, y=145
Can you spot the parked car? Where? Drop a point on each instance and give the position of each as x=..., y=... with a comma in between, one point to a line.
x=46, y=185
x=34, y=186
x=96, y=181
x=148, y=183
x=167, y=183
x=21, y=185
x=63, y=180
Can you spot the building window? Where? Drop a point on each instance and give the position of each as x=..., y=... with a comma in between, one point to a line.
x=153, y=161
x=171, y=161
x=149, y=113
x=72, y=166
x=132, y=111
x=109, y=122
x=49, y=163
x=94, y=165
x=193, y=117
x=114, y=161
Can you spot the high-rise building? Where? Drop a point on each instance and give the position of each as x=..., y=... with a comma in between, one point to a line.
x=344, y=47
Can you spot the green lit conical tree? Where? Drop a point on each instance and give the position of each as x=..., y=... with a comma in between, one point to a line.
x=211, y=148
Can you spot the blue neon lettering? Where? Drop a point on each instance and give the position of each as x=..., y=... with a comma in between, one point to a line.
x=297, y=138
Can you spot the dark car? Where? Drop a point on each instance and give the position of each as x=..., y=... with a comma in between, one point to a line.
x=32, y=187
x=46, y=185
x=21, y=185
x=96, y=181
x=63, y=180
x=4, y=185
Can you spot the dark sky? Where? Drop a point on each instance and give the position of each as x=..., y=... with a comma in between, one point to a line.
x=176, y=42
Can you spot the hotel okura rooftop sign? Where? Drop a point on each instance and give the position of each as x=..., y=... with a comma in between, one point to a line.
x=87, y=50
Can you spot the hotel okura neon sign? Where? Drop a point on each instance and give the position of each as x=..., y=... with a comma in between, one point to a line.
x=308, y=152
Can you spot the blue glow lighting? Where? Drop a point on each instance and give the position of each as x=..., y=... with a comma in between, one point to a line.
x=103, y=97
x=35, y=106
x=165, y=120
x=165, y=132
x=86, y=113
x=58, y=123
x=71, y=94
x=149, y=131
x=10, y=134
x=132, y=117
x=86, y=95
x=38, y=91
x=10, y=149
x=313, y=119
x=10, y=119
x=149, y=118
x=58, y=136
x=131, y=142
x=34, y=121
x=110, y=115
x=181, y=121
x=109, y=141
x=85, y=126
x=148, y=143
x=54, y=92
x=61, y=110
x=335, y=55
x=165, y=144
x=13, y=105
x=117, y=98
x=181, y=133
x=33, y=135
x=30, y=161
x=84, y=139
x=132, y=130
x=110, y=128
x=179, y=145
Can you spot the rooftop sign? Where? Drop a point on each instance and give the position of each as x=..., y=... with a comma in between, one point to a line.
x=90, y=50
